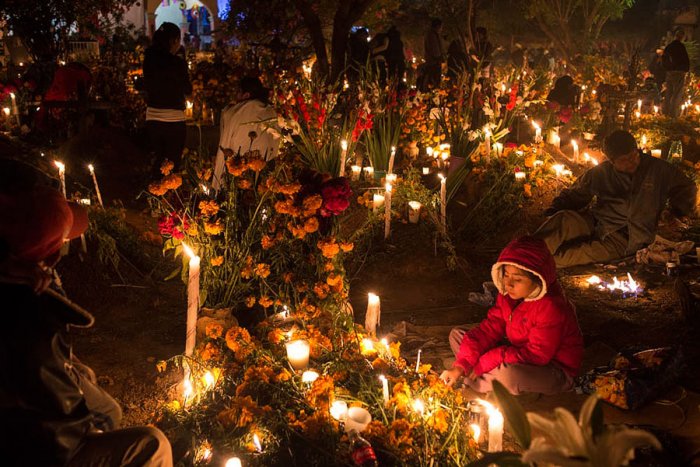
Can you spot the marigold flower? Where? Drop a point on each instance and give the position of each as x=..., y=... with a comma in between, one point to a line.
x=166, y=167
x=256, y=165
x=290, y=188
x=334, y=280
x=213, y=228
x=250, y=302
x=208, y=208
x=328, y=248
x=244, y=183
x=347, y=246
x=527, y=189
x=311, y=225
x=265, y=301
x=214, y=330
x=209, y=352
x=311, y=204
x=321, y=290
x=262, y=270
x=172, y=181
x=267, y=242
x=157, y=188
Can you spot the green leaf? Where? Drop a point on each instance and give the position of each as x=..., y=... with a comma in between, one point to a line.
x=505, y=459
x=514, y=414
x=173, y=274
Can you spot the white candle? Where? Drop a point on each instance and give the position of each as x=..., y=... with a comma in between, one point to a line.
x=558, y=169
x=387, y=211
x=426, y=170
x=574, y=144
x=385, y=388
x=499, y=149
x=356, y=170
x=343, y=155
x=373, y=316
x=298, y=353
x=638, y=114
x=7, y=111
x=94, y=181
x=538, y=132
x=413, y=212
x=443, y=201
x=420, y=351
x=520, y=176
x=639, y=105
x=339, y=410
x=656, y=109
x=377, y=202
x=391, y=178
x=495, y=429
x=188, y=109
x=192, y=304
x=256, y=442
x=14, y=107
x=487, y=140
x=369, y=172
x=61, y=175
x=554, y=138
x=233, y=462
x=656, y=153
x=391, y=159
x=309, y=376
x=429, y=151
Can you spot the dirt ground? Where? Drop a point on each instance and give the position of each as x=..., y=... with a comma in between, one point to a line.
x=140, y=319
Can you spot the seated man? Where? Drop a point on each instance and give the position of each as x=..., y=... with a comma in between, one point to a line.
x=51, y=410
x=631, y=191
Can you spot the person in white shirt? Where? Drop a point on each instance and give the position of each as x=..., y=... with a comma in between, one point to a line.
x=248, y=125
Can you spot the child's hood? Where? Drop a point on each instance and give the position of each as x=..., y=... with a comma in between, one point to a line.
x=530, y=254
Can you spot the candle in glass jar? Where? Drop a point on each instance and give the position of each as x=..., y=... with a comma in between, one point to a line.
x=356, y=170
x=377, y=202
x=298, y=353
x=339, y=410
x=426, y=170
x=656, y=153
x=554, y=138
x=413, y=212
x=520, y=176
x=538, y=132
x=369, y=172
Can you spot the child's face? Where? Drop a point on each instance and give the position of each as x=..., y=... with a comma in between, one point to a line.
x=517, y=284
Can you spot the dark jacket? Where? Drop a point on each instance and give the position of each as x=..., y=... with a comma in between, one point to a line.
x=43, y=415
x=166, y=79
x=433, y=46
x=631, y=202
x=675, y=57
x=541, y=329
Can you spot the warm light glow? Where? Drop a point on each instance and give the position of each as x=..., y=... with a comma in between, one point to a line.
x=385, y=342
x=339, y=410
x=644, y=140
x=476, y=431
x=415, y=205
x=388, y=187
x=429, y=151
x=187, y=390
x=60, y=166
x=535, y=125
x=558, y=169
x=656, y=109
x=442, y=178
x=372, y=298
x=344, y=145
x=418, y=406
x=6, y=111
x=593, y=280
x=520, y=175
x=367, y=345
x=298, y=353
x=206, y=454
x=638, y=114
x=188, y=251
x=391, y=178
x=538, y=163
x=91, y=168
x=12, y=95
x=309, y=376
x=256, y=442
x=209, y=379
x=190, y=105
x=574, y=144
x=233, y=462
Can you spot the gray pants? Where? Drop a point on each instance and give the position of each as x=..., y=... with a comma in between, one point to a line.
x=138, y=446
x=675, y=85
x=547, y=379
x=570, y=238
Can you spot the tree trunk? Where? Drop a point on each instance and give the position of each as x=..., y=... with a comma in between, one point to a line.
x=313, y=24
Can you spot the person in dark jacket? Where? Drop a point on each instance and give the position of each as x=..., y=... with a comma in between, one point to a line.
x=434, y=56
x=544, y=345
x=457, y=59
x=167, y=83
x=52, y=412
x=631, y=190
x=395, y=57
x=358, y=54
x=677, y=64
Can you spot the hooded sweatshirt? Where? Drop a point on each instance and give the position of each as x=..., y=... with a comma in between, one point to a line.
x=541, y=329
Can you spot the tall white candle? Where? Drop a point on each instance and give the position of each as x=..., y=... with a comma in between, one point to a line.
x=14, y=107
x=298, y=353
x=387, y=211
x=574, y=145
x=192, y=303
x=391, y=159
x=487, y=140
x=373, y=316
x=443, y=201
x=639, y=105
x=233, y=462
x=385, y=388
x=94, y=181
x=420, y=351
x=61, y=175
x=538, y=132
x=343, y=155
x=554, y=138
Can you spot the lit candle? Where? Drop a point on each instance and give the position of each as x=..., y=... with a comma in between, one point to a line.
x=574, y=144
x=7, y=111
x=644, y=142
x=420, y=351
x=499, y=149
x=391, y=178
x=369, y=172
x=558, y=169
x=339, y=410
x=187, y=391
x=14, y=107
x=373, y=316
x=638, y=114
x=476, y=432
x=413, y=212
x=208, y=379
x=192, y=304
x=639, y=106
x=343, y=155
x=495, y=429
x=309, y=376
x=554, y=138
x=377, y=202
x=656, y=109
x=656, y=153
x=391, y=159
x=188, y=109
x=418, y=406
x=298, y=353
x=94, y=181
x=443, y=201
x=256, y=442
x=426, y=170
x=356, y=170
x=429, y=151
x=385, y=388
x=387, y=211
x=520, y=176
x=445, y=155
x=538, y=163
x=233, y=462
x=61, y=175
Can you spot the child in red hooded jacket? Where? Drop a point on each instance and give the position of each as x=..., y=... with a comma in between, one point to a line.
x=544, y=345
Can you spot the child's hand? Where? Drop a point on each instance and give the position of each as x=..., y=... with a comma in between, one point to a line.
x=450, y=377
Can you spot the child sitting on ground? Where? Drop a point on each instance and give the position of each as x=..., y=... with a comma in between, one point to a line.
x=544, y=344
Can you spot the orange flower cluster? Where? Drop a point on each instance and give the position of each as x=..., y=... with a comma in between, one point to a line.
x=208, y=208
x=166, y=167
x=213, y=228
x=214, y=330
x=321, y=393
x=217, y=261
x=239, y=342
x=262, y=270
x=169, y=182
x=329, y=247
x=247, y=271
x=242, y=412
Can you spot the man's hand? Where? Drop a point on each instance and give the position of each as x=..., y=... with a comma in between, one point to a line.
x=450, y=377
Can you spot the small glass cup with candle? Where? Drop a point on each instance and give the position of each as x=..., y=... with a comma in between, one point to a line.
x=426, y=170
x=520, y=176
x=413, y=212
x=377, y=202
x=369, y=172
x=656, y=153
x=339, y=410
x=356, y=171
x=391, y=178
x=309, y=376
x=298, y=353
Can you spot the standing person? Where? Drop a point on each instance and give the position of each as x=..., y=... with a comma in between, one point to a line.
x=247, y=125
x=167, y=83
x=395, y=57
x=677, y=65
x=457, y=59
x=434, y=55
x=545, y=346
x=631, y=191
x=51, y=410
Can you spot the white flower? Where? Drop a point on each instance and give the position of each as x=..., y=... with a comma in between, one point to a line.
x=568, y=443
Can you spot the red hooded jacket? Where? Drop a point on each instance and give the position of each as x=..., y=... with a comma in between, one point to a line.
x=541, y=329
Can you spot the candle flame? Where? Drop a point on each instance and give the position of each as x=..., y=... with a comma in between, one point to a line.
x=372, y=298
x=91, y=168
x=593, y=280
x=535, y=125
x=209, y=379
x=309, y=376
x=491, y=410
x=60, y=166
x=388, y=187
x=187, y=390
x=385, y=342
x=233, y=462
x=339, y=410
x=344, y=145
x=367, y=345
x=393, y=149
x=6, y=111
x=382, y=378
x=558, y=169
x=418, y=406
x=429, y=151
x=12, y=95
x=190, y=104
x=206, y=455
x=442, y=177
x=574, y=144
x=476, y=431
x=256, y=442
x=188, y=250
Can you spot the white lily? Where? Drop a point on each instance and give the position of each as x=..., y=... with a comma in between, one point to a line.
x=569, y=443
